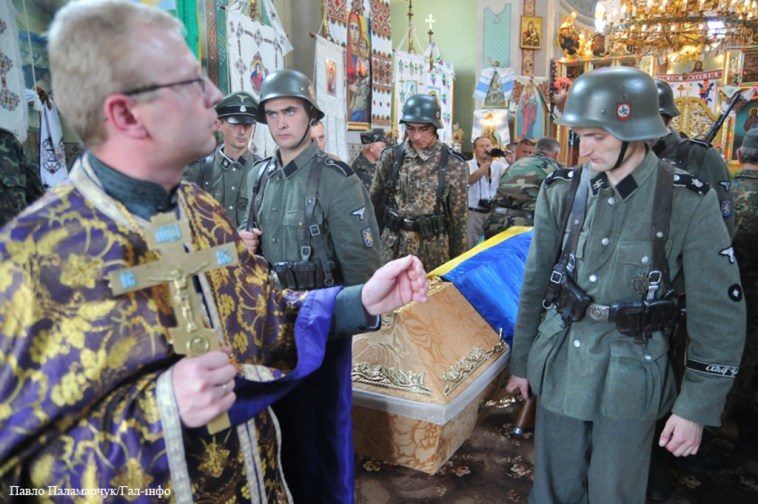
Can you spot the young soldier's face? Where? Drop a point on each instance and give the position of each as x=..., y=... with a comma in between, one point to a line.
x=599, y=147
x=422, y=135
x=287, y=120
x=236, y=135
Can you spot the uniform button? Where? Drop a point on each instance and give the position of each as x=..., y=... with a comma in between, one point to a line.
x=648, y=357
x=231, y=208
x=645, y=260
x=273, y=209
x=611, y=201
x=577, y=343
x=233, y=188
x=273, y=240
x=593, y=278
x=605, y=241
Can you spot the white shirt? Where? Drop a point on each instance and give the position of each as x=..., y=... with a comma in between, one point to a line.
x=485, y=187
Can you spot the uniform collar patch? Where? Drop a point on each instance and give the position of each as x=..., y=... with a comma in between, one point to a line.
x=626, y=187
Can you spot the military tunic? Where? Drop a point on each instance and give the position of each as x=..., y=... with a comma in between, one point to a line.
x=589, y=369
x=343, y=211
x=416, y=195
x=227, y=178
x=364, y=169
x=702, y=161
x=745, y=192
x=20, y=185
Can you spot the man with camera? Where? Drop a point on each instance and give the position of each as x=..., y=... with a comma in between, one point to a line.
x=517, y=192
x=483, y=179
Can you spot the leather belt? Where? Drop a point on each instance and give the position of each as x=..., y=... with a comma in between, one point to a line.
x=478, y=210
x=600, y=313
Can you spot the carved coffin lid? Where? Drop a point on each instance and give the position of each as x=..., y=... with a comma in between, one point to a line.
x=428, y=353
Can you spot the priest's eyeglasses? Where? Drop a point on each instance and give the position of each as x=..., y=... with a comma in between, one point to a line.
x=155, y=87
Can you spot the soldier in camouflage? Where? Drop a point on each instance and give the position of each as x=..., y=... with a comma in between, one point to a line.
x=695, y=156
x=20, y=184
x=309, y=215
x=419, y=190
x=745, y=192
x=364, y=166
x=518, y=189
x=223, y=172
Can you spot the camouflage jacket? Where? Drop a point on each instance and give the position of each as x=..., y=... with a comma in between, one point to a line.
x=364, y=169
x=745, y=192
x=415, y=195
x=521, y=183
x=225, y=181
x=20, y=184
x=702, y=161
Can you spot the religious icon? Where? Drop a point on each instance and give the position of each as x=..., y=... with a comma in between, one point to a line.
x=331, y=77
x=531, y=32
x=358, y=70
x=745, y=120
x=529, y=114
x=258, y=73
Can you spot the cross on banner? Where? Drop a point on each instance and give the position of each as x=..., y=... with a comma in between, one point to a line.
x=167, y=235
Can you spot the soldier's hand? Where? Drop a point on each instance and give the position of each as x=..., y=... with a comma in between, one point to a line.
x=681, y=436
x=251, y=240
x=203, y=387
x=520, y=384
x=395, y=284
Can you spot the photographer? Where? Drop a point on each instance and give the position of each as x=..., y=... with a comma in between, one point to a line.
x=483, y=179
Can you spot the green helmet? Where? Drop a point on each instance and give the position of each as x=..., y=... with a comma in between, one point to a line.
x=286, y=84
x=666, y=103
x=422, y=108
x=621, y=100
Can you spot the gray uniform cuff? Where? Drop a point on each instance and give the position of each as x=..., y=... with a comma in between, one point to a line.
x=350, y=316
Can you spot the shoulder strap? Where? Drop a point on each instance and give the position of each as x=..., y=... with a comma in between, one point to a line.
x=578, y=195
x=206, y=171
x=258, y=188
x=442, y=177
x=311, y=231
x=662, y=201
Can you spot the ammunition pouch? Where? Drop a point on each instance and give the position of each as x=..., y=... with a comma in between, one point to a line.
x=428, y=226
x=572, y=301
x=634, y=318
x=300, y=275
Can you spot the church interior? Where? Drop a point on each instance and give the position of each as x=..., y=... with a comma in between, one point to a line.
x=431, y=420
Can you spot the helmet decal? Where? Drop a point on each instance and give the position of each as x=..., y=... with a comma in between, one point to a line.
x=624, y=111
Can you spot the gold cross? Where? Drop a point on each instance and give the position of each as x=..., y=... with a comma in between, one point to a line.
x=167, y=235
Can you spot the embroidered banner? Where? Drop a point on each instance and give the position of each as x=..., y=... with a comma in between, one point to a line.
x=329, y=79
x=362, y=27
x=52, y=157
x=702, y=85
x=13, y=110
x=254, y=51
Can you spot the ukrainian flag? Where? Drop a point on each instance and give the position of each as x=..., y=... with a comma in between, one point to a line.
x=489, y=276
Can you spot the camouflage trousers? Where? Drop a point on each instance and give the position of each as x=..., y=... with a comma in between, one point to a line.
x=433, y=251
x=496, y=223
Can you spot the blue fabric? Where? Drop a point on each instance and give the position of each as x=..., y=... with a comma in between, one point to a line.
x=313, y=404
x=491, y=282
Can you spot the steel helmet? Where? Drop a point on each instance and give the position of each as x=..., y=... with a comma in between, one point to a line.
x=422, y=108
x=286, y=84
x=621, y=100
x=666, y=103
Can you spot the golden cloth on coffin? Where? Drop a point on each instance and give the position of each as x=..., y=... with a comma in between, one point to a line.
x=419, y=381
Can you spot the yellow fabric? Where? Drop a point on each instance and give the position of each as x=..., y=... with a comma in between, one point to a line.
x=453, y=263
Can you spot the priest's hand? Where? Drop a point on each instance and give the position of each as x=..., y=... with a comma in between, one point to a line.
x=520, y=384
x=203, y=387
x=681, y=436
x=395, y=284
x=251, y=240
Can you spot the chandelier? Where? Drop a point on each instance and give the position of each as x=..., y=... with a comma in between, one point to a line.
x=681, y=29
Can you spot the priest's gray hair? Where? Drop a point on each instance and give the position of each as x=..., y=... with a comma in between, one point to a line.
x=94, y=48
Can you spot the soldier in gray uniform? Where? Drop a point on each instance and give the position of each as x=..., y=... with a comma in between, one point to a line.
x=616, y=244
x=695, y=156
x=373, y=142
x=308, y=214
x=420, y=190
x=223, y=172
